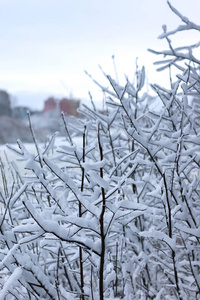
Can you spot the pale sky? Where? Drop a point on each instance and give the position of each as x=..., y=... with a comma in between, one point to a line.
x=45, y=45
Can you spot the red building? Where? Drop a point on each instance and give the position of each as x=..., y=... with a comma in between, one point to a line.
x=69, y=107
x=50, y=105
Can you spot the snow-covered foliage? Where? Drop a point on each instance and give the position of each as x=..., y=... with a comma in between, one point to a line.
x=118, y=215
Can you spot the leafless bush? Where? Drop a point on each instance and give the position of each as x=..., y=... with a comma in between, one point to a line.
x=117, y=216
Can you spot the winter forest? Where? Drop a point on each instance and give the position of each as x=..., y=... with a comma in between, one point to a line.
x=115, y=215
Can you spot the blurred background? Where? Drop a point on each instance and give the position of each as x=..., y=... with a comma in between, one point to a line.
x=46, y=45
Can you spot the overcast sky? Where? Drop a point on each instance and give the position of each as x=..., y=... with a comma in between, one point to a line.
x=45, y=45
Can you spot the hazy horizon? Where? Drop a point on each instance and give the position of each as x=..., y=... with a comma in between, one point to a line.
x=46, y=46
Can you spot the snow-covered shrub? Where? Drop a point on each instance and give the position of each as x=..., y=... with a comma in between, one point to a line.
x=116, y=215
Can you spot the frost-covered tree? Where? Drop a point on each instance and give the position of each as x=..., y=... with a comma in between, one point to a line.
x=115, y=215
